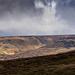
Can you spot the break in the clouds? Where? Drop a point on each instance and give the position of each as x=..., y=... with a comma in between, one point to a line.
x=37, y=17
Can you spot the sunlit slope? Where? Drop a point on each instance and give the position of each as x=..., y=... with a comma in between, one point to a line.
x=13, y=45
x=31, y=46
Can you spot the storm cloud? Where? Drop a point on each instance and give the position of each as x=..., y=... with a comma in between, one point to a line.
x=37, y=17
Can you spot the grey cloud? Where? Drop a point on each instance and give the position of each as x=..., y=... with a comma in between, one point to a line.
x=66, y=10
x=16, y=7
x=36, y=17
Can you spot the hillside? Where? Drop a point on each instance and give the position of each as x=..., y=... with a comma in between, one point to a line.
x=33, y=46
x=60, y=64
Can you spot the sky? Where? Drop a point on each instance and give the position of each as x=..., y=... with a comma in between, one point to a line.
x=37, y=17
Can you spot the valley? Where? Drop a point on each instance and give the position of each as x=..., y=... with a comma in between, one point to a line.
x=33, y=46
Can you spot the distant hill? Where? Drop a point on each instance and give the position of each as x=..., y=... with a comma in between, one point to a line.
x=33, y=46
x=60, y=64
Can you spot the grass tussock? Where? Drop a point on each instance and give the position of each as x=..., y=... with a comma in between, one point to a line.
x=60, y=64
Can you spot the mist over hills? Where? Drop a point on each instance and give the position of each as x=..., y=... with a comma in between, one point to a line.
x=48, y=51
x=37, y=17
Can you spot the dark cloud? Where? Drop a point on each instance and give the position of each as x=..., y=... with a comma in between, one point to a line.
x=19, y=4
x=66, y=10
x=16, y=6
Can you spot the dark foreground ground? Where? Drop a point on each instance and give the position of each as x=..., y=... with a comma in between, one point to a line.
x=60, y=64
